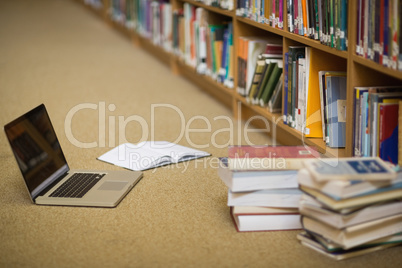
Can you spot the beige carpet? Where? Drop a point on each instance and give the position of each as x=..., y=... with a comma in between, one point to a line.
x=56, y=52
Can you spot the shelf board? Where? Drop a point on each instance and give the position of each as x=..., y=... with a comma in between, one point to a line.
x=228, y=13
x=156, y=51
x=276, y=118
x=263, y=111
x=318, y=143
x=100, y=12
x=377, y=67
x=298, y=38
x=121, y=28
x=205, y=82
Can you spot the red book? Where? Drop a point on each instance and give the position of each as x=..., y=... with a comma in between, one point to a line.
x=388, y=128
x=269, y=157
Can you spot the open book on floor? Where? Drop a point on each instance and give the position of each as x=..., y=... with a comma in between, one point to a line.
x=150, y=154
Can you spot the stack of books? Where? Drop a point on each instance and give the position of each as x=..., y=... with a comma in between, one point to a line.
x=263, y=193
x=350, y=206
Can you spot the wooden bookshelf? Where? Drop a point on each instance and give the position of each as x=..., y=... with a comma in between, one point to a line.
x=360, y=71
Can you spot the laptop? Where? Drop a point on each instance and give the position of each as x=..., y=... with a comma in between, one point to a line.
x=47, y=175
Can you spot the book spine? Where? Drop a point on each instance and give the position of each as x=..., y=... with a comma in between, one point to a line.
x=400, y=134
x=285, y=88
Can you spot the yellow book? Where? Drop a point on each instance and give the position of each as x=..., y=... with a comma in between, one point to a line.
x=318, y=61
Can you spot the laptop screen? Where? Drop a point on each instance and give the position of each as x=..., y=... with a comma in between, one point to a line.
x=36, y=149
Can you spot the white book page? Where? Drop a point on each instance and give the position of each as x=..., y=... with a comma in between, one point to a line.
x=149, y=154
x=133, y=157
x=176, y=152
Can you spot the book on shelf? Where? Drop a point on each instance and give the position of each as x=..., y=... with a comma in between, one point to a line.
x=289, y=13
x=201, y=26
x=189, y=34
x=259, y=71
x=265, y=67
x=300, y=96
x=336, y=252
x=149, y=154
x=317, y=61
x=336, y=104
x=262, y=11
x=350, y=168
x=378, y=31
x=249, y=219
x=272, y=82
x=375, y=97
x=282, y=198
x=178, y=32
x=367, y=117
x=216, y=36
x=400, y=135
x=252, y=180
x=156, y=19
x=355, y=235
x=273, y=50
x=323, y=102
x=255, y=96
x=294, y=54
x=266, y=157
x=166, y=32
x=250, y=50
x=323, y=20
x=221, y=55
x=275, y=103
x=388, y=131
x=277, y=10
x=223, y=65
x=314, y=209
x=286, y=84
x=229, y=74
x=357, y=117
x=96, y=4
x=226, y=4
x=151, y=19
x=204, y=43
x=322, y=75
x=303, y=85
x=343, y=189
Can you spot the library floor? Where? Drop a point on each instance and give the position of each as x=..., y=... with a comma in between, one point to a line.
x=100, y=91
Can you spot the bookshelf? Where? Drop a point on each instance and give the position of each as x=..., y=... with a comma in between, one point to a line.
x=360, y=71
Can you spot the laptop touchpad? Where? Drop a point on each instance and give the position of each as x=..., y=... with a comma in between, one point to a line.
x=113, y=185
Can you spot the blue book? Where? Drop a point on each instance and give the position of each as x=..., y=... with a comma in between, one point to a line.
x=336, y=90
x=364, y=121
x=228, y=51
x=357, y=120
x=222, y=69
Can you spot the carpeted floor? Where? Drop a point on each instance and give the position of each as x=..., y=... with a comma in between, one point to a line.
x=100, y=91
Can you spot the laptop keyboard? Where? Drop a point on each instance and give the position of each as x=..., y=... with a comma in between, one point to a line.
x=77, y=185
